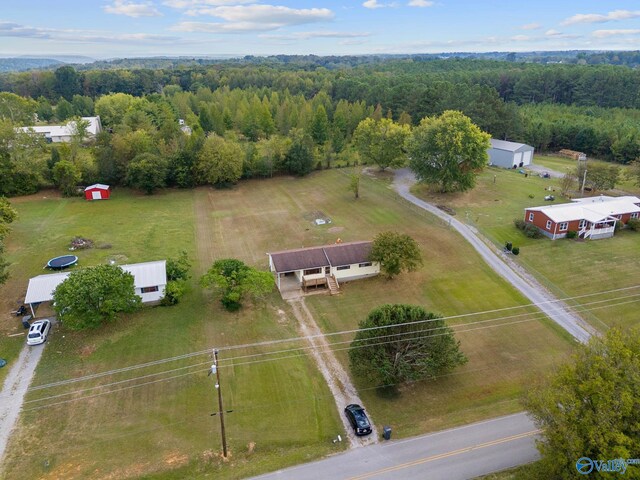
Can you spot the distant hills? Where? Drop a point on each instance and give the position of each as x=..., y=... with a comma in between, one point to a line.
x=28, y=62
x=585, y=57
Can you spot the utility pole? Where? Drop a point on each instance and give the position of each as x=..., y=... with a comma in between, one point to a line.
x=216, y=370
x=584, y=178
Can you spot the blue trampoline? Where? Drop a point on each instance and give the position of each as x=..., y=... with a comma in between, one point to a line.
x=64, y=261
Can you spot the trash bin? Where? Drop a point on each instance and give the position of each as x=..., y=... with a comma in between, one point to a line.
x=25, y=321
x=386, y=433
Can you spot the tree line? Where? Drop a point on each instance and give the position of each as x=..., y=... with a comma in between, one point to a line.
x=259, y=118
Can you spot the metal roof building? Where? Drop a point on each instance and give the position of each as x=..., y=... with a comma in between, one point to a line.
x=510, y=154
x=149, y=280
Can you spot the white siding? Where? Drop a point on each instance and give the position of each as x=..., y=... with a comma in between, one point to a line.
x=355, y=272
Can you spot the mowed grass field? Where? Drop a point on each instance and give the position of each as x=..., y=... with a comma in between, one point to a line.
x=154, y=421
x=569, y=268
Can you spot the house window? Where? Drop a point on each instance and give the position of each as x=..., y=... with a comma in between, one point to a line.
x=365, y=264
x=564, y=226
x=582, y=224
x=149, y=289
x=343, y=267
x=312, y=271
x=548, y=224
x=634, y=215
x=619, y=217
x=531, y=216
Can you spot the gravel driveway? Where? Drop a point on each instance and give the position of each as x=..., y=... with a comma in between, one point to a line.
x=555, y=309
x=13, y=392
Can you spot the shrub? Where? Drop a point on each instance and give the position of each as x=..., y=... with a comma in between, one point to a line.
x=531, y=231
x=515, y=250
x=519, y=223
x=572, y=234
x=508, y=246
x=634, y=224
x=172, y=292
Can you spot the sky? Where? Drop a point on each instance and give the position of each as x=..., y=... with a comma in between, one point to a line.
x=130, y=28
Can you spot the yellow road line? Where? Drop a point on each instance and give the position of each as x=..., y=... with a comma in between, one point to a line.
x=446, y=455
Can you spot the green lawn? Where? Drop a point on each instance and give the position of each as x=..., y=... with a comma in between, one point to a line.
x=562, y=164
x=283, y=412
x=567, y=267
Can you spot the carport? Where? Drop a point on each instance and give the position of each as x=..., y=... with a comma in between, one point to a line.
x=41, y=289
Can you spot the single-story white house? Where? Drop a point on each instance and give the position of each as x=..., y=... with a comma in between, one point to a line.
x=149, y=281
x=327, y=265
x=510, y=154
x=64, y=133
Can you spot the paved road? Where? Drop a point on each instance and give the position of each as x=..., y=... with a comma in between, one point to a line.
x=456, y=454
x=14, y=389
x=527, y=285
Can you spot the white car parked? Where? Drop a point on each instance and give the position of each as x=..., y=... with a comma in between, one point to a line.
x=38, y=332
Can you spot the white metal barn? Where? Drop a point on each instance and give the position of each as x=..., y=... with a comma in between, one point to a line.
x=510, y=154
x=149, y=281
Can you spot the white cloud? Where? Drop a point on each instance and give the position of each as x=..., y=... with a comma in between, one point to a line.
x=253, y=18
x=531, y=26
x=180, y=4
x=420, y=3
x=552, y=33
x=122, y=7
x=520, y=38
x=266, y=13
x=373, y=4
x=316, y=34
x=614, y=15
x=79, y=36
x=613, y=33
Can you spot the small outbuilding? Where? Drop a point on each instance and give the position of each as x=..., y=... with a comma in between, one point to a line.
x=510, y=154
x=149, y=283
x=97, y=191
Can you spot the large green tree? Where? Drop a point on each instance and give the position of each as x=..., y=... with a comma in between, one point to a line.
x=219, y=161
x=448, y=151
x=403, y=343
x=93, y=295
x=235, y=281
x=396, y=252
x=147, y=172
x=7, y=215
x=299, y=159
x=382, y=142
x=588, y=407
x=66, y=176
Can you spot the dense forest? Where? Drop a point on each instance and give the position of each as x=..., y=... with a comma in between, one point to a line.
x=263, y=116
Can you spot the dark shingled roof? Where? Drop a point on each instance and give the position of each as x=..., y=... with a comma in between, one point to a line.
x=348, y=253
x=315, y=257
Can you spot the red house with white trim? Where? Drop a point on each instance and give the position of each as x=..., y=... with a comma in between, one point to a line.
x=97, y=192
x=592, y=217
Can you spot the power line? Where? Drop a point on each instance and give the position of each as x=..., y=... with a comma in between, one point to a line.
x=321, y=349
x=295, y=339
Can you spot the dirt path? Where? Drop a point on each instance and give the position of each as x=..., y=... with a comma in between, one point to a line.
x=205, y=246
x=13, y=392
x=336, y=377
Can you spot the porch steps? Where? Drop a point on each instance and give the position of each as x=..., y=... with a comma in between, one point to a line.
x=332, y=283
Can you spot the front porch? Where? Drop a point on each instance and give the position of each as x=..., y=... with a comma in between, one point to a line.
x=595, y=231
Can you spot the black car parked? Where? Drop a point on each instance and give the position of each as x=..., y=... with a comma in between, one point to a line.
x=358, y=419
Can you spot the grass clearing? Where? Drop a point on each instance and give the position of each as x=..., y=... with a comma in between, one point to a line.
x=283, y=412
x=567, y=267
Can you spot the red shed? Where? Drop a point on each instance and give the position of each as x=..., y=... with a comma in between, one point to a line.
x=97, y=192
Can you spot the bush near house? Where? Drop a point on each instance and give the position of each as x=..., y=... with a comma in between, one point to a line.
x=633, y=224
